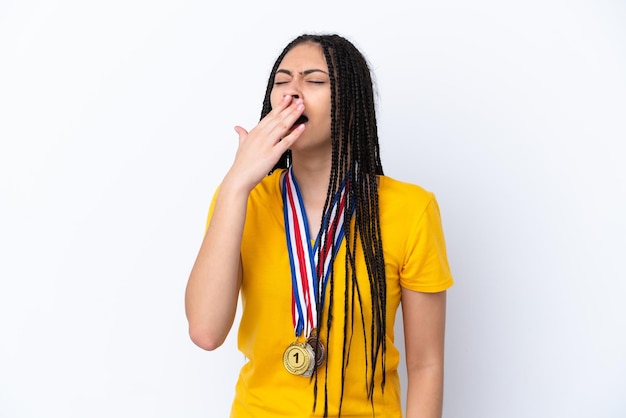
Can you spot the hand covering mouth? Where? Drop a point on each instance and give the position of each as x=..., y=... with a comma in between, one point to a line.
x=301, y=119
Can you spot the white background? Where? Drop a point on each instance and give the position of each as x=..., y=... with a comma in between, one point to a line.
x=116, y=125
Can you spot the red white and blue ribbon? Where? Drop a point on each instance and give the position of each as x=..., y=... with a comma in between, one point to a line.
x=308, y=276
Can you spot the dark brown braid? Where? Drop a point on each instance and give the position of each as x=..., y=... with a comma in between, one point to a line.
x=355, y=157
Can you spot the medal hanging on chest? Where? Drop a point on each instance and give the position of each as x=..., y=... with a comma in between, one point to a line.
x=310, y=269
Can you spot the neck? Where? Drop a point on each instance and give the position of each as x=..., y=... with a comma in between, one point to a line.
x=313, y=175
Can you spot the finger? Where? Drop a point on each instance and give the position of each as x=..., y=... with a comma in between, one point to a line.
x=282, y=105
x=243, y=134
x=290, y=139
x=283, y=115
x=283, y=122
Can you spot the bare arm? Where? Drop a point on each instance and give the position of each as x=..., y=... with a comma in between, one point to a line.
x=215, y=279
x=424, y=329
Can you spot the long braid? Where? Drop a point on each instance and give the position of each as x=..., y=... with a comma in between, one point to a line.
x=332, y=185
x=356, y=160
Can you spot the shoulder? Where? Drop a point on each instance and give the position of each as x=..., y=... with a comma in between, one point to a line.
x=399, y=195
x=269, y=186
x=266, y=196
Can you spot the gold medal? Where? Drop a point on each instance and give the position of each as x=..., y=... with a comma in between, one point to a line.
x=298, y=359
x=318, y=349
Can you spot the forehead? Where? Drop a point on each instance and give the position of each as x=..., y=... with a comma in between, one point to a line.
x=303, y=57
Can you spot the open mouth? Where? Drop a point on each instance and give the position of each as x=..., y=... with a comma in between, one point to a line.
x=301, y=119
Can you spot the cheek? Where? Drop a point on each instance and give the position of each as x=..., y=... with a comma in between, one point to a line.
x=275, y=98
x=327, y=111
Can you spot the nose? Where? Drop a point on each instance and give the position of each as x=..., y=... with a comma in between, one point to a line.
x=293, y=89
x=294, y=96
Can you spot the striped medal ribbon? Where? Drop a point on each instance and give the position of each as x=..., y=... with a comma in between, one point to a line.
x=310, y=270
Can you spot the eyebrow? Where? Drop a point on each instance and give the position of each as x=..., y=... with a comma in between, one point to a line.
x=303, y=73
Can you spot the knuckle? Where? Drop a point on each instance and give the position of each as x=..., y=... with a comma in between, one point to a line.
x=285, y=125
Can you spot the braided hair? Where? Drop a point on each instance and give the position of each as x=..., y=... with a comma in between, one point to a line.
x=356, y=157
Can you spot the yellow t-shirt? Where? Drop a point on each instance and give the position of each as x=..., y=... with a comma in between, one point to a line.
x=415, y=258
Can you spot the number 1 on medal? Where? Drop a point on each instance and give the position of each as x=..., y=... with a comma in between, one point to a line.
x=296, y=356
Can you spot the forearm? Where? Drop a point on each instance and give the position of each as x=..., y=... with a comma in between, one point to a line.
x=213, y=286
x=424, y=330
x=425, y=392
x=215, y=279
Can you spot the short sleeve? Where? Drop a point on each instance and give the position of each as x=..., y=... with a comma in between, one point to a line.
x=425, y=266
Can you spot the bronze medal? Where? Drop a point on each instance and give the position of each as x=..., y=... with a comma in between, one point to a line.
x=298, y=359
x=318, y=349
